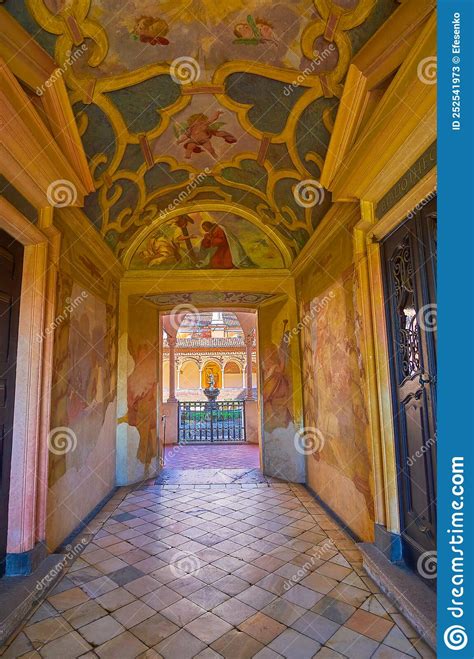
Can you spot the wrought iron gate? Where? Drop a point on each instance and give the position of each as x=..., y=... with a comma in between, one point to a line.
x=203, y=422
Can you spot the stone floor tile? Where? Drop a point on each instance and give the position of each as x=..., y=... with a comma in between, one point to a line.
x=349, y=594
x=182, y=644
x=386, y=652
x=101, y=630
x=69, y=646
x=295, y=645
x=123, y=646
x=68, y=599
x=333, y=571
x=334, y=609
x=208, y=597
x=81, y=615
x=47, y=630
x=397, y=640
x=234, y=611
x=155, y=629
x=319, y=583
x=115, y=599
x=182, y=612
x=262, y=627
x=315, y=626
x=231, y=585
x=352, y=644
x=236, y=645
x=133, y=613
x=208, y=627
x=266, y=653
x=302, y=596
x=283, y=611
x=256, y=597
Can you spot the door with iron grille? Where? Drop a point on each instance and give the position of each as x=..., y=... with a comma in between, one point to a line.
x=204, y=422
x=410, y=294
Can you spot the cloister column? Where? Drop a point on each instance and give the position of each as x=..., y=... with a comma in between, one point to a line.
x=172, y=392
x=249, y=349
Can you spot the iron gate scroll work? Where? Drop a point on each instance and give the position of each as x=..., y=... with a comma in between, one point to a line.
x=203, y=422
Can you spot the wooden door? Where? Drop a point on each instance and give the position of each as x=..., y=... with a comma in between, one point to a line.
x=11, y=262
x=410, y=290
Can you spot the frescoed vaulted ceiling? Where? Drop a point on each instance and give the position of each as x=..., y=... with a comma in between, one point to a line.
x=205, y=105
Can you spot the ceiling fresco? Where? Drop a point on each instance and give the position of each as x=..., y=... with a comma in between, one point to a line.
x=192, y=104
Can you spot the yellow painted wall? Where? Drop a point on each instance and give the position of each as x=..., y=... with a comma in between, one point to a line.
x=83, y=402
x=339, y=467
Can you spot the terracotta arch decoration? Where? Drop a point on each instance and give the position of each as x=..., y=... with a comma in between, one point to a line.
x=215, y=369
x=243, y=123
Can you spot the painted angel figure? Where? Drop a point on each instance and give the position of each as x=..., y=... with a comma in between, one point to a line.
x=197, y=133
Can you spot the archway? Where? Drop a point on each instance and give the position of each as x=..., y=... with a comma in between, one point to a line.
x=189, y=375
x=232, y=376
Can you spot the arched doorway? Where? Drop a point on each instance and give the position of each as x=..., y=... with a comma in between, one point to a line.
x=189, y=375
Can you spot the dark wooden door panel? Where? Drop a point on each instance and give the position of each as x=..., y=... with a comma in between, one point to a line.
x=11, y=263
x=410, y=290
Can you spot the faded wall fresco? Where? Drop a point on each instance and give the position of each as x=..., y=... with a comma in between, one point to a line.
x=281, y=393
x=83, y=405
x=138, y=442
x=339, y=470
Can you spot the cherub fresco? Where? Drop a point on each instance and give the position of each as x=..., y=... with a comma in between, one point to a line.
x=151, y=30
x=254, y=31
x=197, y=133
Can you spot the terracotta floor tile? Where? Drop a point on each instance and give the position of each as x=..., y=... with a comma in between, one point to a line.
x=262, y=628
x=115, y=599
x=134, y=613
x=68, y=599
x=182, y=612
x=236, y=645
x=208, y=627
x=84, y=613
x=369, y=624
x=47, y=630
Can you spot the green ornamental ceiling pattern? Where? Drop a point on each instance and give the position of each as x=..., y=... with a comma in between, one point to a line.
x=190, y=105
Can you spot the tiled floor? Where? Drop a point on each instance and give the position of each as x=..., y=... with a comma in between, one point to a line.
x=230, y=571
x=230, y=456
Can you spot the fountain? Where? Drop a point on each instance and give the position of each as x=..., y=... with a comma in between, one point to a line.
x=211, y=392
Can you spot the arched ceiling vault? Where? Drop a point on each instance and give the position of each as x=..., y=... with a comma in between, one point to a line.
x=189, y=103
